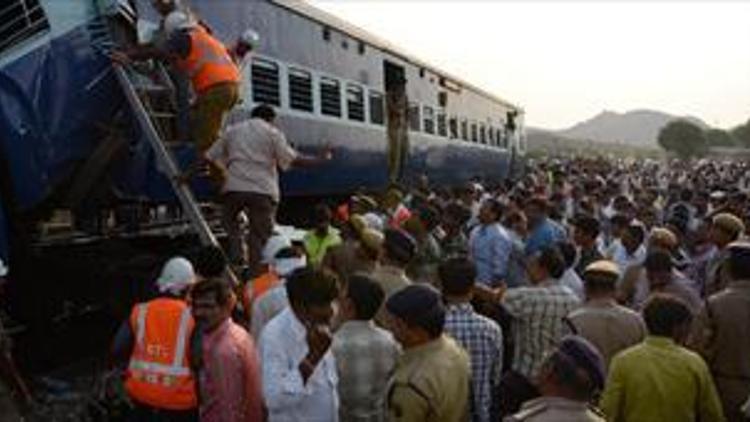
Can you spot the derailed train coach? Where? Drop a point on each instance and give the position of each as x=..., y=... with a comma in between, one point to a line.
x=68, y=140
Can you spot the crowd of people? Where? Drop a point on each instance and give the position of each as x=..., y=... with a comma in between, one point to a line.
x=587, y=290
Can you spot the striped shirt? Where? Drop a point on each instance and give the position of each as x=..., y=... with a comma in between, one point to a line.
x=539, y=313
x=482, y=339
x=366, y=360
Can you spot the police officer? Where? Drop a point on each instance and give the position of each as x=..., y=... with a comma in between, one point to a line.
x=431, y=382
x=570, y=378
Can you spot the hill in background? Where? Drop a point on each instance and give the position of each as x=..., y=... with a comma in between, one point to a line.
x=635, y=128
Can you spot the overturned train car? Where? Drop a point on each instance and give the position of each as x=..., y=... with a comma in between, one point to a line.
x=68, y=140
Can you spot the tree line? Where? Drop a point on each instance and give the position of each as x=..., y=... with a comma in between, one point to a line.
x=686, y=139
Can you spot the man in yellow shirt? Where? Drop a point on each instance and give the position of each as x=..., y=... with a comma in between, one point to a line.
x=322, y=236
x=659, y=380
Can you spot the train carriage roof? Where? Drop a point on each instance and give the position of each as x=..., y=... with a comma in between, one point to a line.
x=305, y=9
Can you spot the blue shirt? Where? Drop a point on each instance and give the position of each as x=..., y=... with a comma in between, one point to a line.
x=489, y=248
x=544, y=235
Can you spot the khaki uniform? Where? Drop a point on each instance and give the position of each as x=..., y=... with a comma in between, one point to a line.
x=724, y=341
x=431, y=384
x=346, y=260
x=608, y=326
x=391, y=279
x=717, y=277
x=556, y=409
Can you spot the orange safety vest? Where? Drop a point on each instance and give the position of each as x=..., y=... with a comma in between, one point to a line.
x=209, y=62
x=159, y=372
x=257, y=288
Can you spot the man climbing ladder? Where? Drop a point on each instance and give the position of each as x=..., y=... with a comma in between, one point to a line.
x=213, y=74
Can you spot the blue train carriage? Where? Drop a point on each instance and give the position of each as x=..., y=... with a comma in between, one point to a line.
x=67, y=146
x=390, y=116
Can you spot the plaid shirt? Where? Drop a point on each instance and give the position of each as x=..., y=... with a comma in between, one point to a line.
x=539, y=314
x=483, y=340
x=366, y=360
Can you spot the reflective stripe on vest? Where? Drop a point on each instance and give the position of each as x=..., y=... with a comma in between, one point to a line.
x=209, y=62
x=176, y=369
x=158, y=372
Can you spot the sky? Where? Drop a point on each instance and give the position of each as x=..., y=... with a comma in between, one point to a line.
x=565, y=61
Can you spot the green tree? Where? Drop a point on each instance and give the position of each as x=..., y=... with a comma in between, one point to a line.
x=719, y=138
x=742, y=134
x=683, y=138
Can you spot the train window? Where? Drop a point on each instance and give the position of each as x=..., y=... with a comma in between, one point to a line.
x=377, y=110
x=491, y=135
x=453, y=127
x=326, y=33
x=464, y=130
x=502, y=140
x=482, y=134
x=429, y=120
x=330, y=97
x=21, y=20
x=414, y=117
x=442, y=127
x=355, y=102
x=474, y=137
x=300, y=90
x=361, y=48
x=265, y=79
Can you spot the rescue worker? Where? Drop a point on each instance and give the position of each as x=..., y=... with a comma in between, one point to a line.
x=246, y=44
x=156, y=339
x=214, y=76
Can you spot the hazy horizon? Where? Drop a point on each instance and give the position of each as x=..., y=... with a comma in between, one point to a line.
x=565, y=62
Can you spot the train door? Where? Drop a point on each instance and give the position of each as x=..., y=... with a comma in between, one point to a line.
x=398, y=120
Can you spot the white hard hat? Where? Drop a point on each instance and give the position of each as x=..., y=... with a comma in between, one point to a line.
x=273, y=245
x=176, y=276
x=250, y=37
x=177, y=20
x=3, y=268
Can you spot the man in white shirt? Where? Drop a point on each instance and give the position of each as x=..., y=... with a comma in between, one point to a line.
x=299, y=370
x=275, y=300
x=630, y=249
x=249, y=154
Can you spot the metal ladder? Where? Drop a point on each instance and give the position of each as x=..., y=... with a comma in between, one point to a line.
x=146, y=116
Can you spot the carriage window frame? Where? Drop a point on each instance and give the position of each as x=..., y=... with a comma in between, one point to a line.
x=266, y=88
x=415, y=117
x=442, y=124
x=428, y=120
x=21, y=20
x=330, y=96
x=355, y=102
x=453, y=127
x=300, y=89
x=465, y=130
x=376, y=101
x=474, y=132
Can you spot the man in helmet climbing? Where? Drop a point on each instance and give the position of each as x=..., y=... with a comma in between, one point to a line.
x=206, y=62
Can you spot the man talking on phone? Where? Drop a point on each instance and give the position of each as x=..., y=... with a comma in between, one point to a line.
x=299, y=371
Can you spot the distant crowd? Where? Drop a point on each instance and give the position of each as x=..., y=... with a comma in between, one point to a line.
x=587, y=290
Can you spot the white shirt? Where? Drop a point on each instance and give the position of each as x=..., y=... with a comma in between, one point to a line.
x=623, y=259
x=571, y=280
x=283, y=345
x=272, y=303
x=252, y=151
